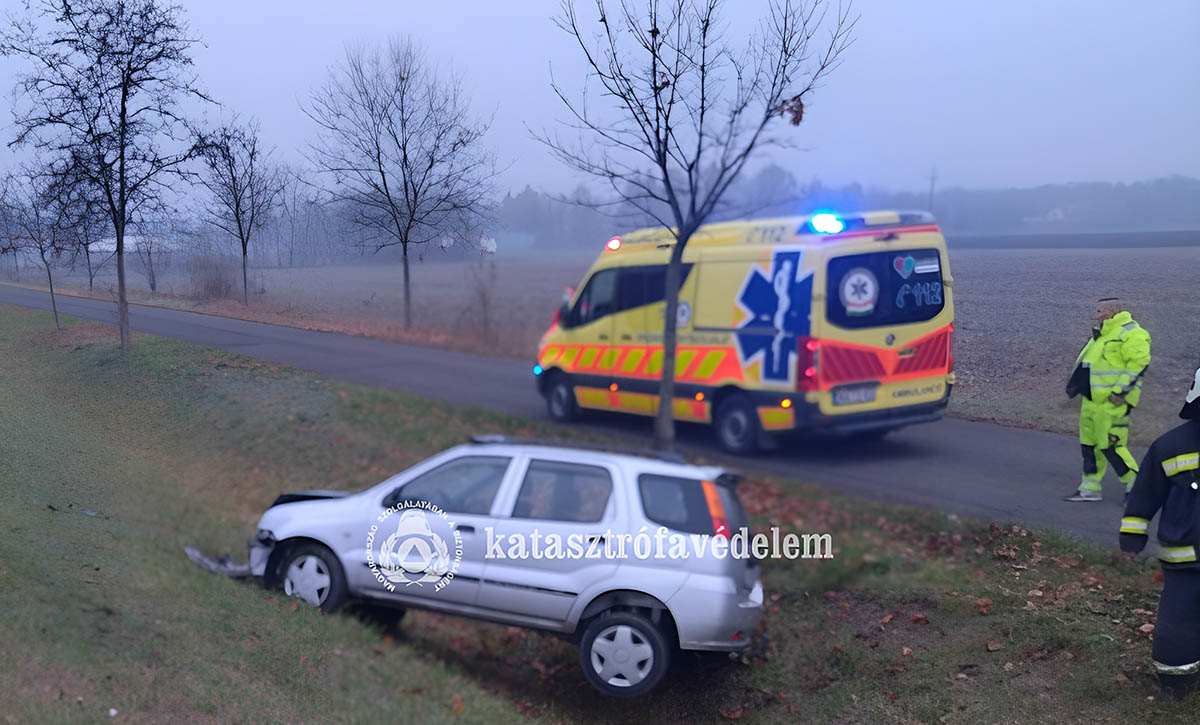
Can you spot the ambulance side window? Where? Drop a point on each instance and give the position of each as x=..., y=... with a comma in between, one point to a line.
x=646, y=285
x=597, y=299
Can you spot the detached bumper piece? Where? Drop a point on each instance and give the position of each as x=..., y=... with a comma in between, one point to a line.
x=223, y=564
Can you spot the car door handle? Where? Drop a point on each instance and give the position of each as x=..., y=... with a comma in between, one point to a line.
x=626, y=337
x=602, y=337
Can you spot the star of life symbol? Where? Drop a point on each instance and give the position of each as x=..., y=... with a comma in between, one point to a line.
x=777, y=305
x=859, y=291
x=415, y=553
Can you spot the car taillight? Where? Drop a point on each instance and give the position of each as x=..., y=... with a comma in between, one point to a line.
x=716, y=510
x=806, y=363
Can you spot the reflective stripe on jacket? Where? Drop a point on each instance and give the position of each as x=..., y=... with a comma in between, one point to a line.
x=1168, y=484
x=1116, y=359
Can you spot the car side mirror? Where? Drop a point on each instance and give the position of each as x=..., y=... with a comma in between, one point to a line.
x=565, y=318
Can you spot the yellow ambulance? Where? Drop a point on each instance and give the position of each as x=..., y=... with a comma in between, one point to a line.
x=832, y=322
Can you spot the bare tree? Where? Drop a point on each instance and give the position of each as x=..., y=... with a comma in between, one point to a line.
x=37, y=220
x=402, y=149
x=102, y=91
x=687, y=112
x=245, y=185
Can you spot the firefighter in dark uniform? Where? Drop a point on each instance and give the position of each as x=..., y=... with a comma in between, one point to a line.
x=1169, y=480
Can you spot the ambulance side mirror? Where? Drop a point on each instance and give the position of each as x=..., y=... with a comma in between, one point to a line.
x=565, y=318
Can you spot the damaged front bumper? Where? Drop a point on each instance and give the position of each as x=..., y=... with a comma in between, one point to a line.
x=260, y=547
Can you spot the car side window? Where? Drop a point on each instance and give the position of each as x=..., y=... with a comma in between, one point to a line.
x=677, y=503
x=464, y=486
x=557, y=491
x=598, y=298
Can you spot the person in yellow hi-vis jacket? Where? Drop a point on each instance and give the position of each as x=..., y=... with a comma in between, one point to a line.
x=1108, y=373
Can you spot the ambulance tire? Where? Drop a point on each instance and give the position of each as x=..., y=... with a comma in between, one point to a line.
x=560, y=399
x=736, y=425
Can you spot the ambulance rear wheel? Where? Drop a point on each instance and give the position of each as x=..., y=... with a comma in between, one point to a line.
x=560, y=399
x=736, y=425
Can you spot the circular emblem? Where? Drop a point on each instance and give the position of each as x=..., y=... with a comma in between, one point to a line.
x=890, y=339
x=858, y=292
x=683, y=314
x=416, y=551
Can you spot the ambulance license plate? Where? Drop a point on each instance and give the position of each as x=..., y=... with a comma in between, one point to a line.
x=854, y=395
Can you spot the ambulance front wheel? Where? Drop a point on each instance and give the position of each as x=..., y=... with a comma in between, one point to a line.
x=560, y=399
x=736, y=425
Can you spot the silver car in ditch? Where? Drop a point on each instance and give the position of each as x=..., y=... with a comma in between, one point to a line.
x=609, y=549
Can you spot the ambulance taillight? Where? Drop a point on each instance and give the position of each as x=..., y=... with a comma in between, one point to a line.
x=806, y=363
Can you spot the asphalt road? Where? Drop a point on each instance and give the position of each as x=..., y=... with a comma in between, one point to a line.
x=980, y=470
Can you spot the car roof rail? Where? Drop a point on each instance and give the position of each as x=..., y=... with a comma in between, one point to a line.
x=665, y=456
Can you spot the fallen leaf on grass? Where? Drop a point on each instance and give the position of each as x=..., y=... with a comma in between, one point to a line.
x=1146, y=628
x=983, y=605
x=905, y=651
x=458, y=706
x=994, y=646
x=733, y=713
x=1121, y=677
x=920, y=619
x=886, y=619
x=1008, y=667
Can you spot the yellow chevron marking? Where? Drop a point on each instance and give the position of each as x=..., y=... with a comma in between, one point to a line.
x=632, y=360
x=709, y=364
x=654, y=366
x=683, y=360
x=609, y=360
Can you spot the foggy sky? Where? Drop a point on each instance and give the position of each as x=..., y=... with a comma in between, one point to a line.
x=996, y=93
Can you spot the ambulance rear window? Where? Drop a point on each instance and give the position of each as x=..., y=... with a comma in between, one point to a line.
x=884, y=288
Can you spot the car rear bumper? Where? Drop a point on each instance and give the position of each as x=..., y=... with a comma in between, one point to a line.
x=810, y=417
x=712, y=620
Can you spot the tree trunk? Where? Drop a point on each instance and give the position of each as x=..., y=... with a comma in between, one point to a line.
x=407, y=292
x=245, y=290
x=122, y=303
x=664, y=420
x=53, y=302
x=87, y=254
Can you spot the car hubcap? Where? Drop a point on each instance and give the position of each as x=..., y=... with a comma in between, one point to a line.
x=622, y=656
x=307, y=578
x=735, y=428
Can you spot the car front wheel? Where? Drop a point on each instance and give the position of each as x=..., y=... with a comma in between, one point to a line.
x=560, y=399
x=311, y=572
x=624, y=654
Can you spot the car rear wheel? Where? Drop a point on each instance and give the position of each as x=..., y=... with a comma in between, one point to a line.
x=311, y=572
x=736, y=425
x=560, y=399
x=624, y=654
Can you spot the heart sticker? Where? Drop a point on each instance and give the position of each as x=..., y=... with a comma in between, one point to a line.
x=904, y=266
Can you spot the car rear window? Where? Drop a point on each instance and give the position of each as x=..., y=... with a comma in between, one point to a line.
x=884, y=288
x=679, y=503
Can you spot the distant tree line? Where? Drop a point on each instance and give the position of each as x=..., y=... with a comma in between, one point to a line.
x=543, y=220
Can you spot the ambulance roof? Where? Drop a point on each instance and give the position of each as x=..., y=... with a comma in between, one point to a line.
x=815, y=228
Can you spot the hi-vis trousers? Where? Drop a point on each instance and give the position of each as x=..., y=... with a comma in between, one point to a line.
x=1104, y=435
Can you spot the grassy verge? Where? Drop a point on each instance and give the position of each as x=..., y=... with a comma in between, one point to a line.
x=110, y=466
